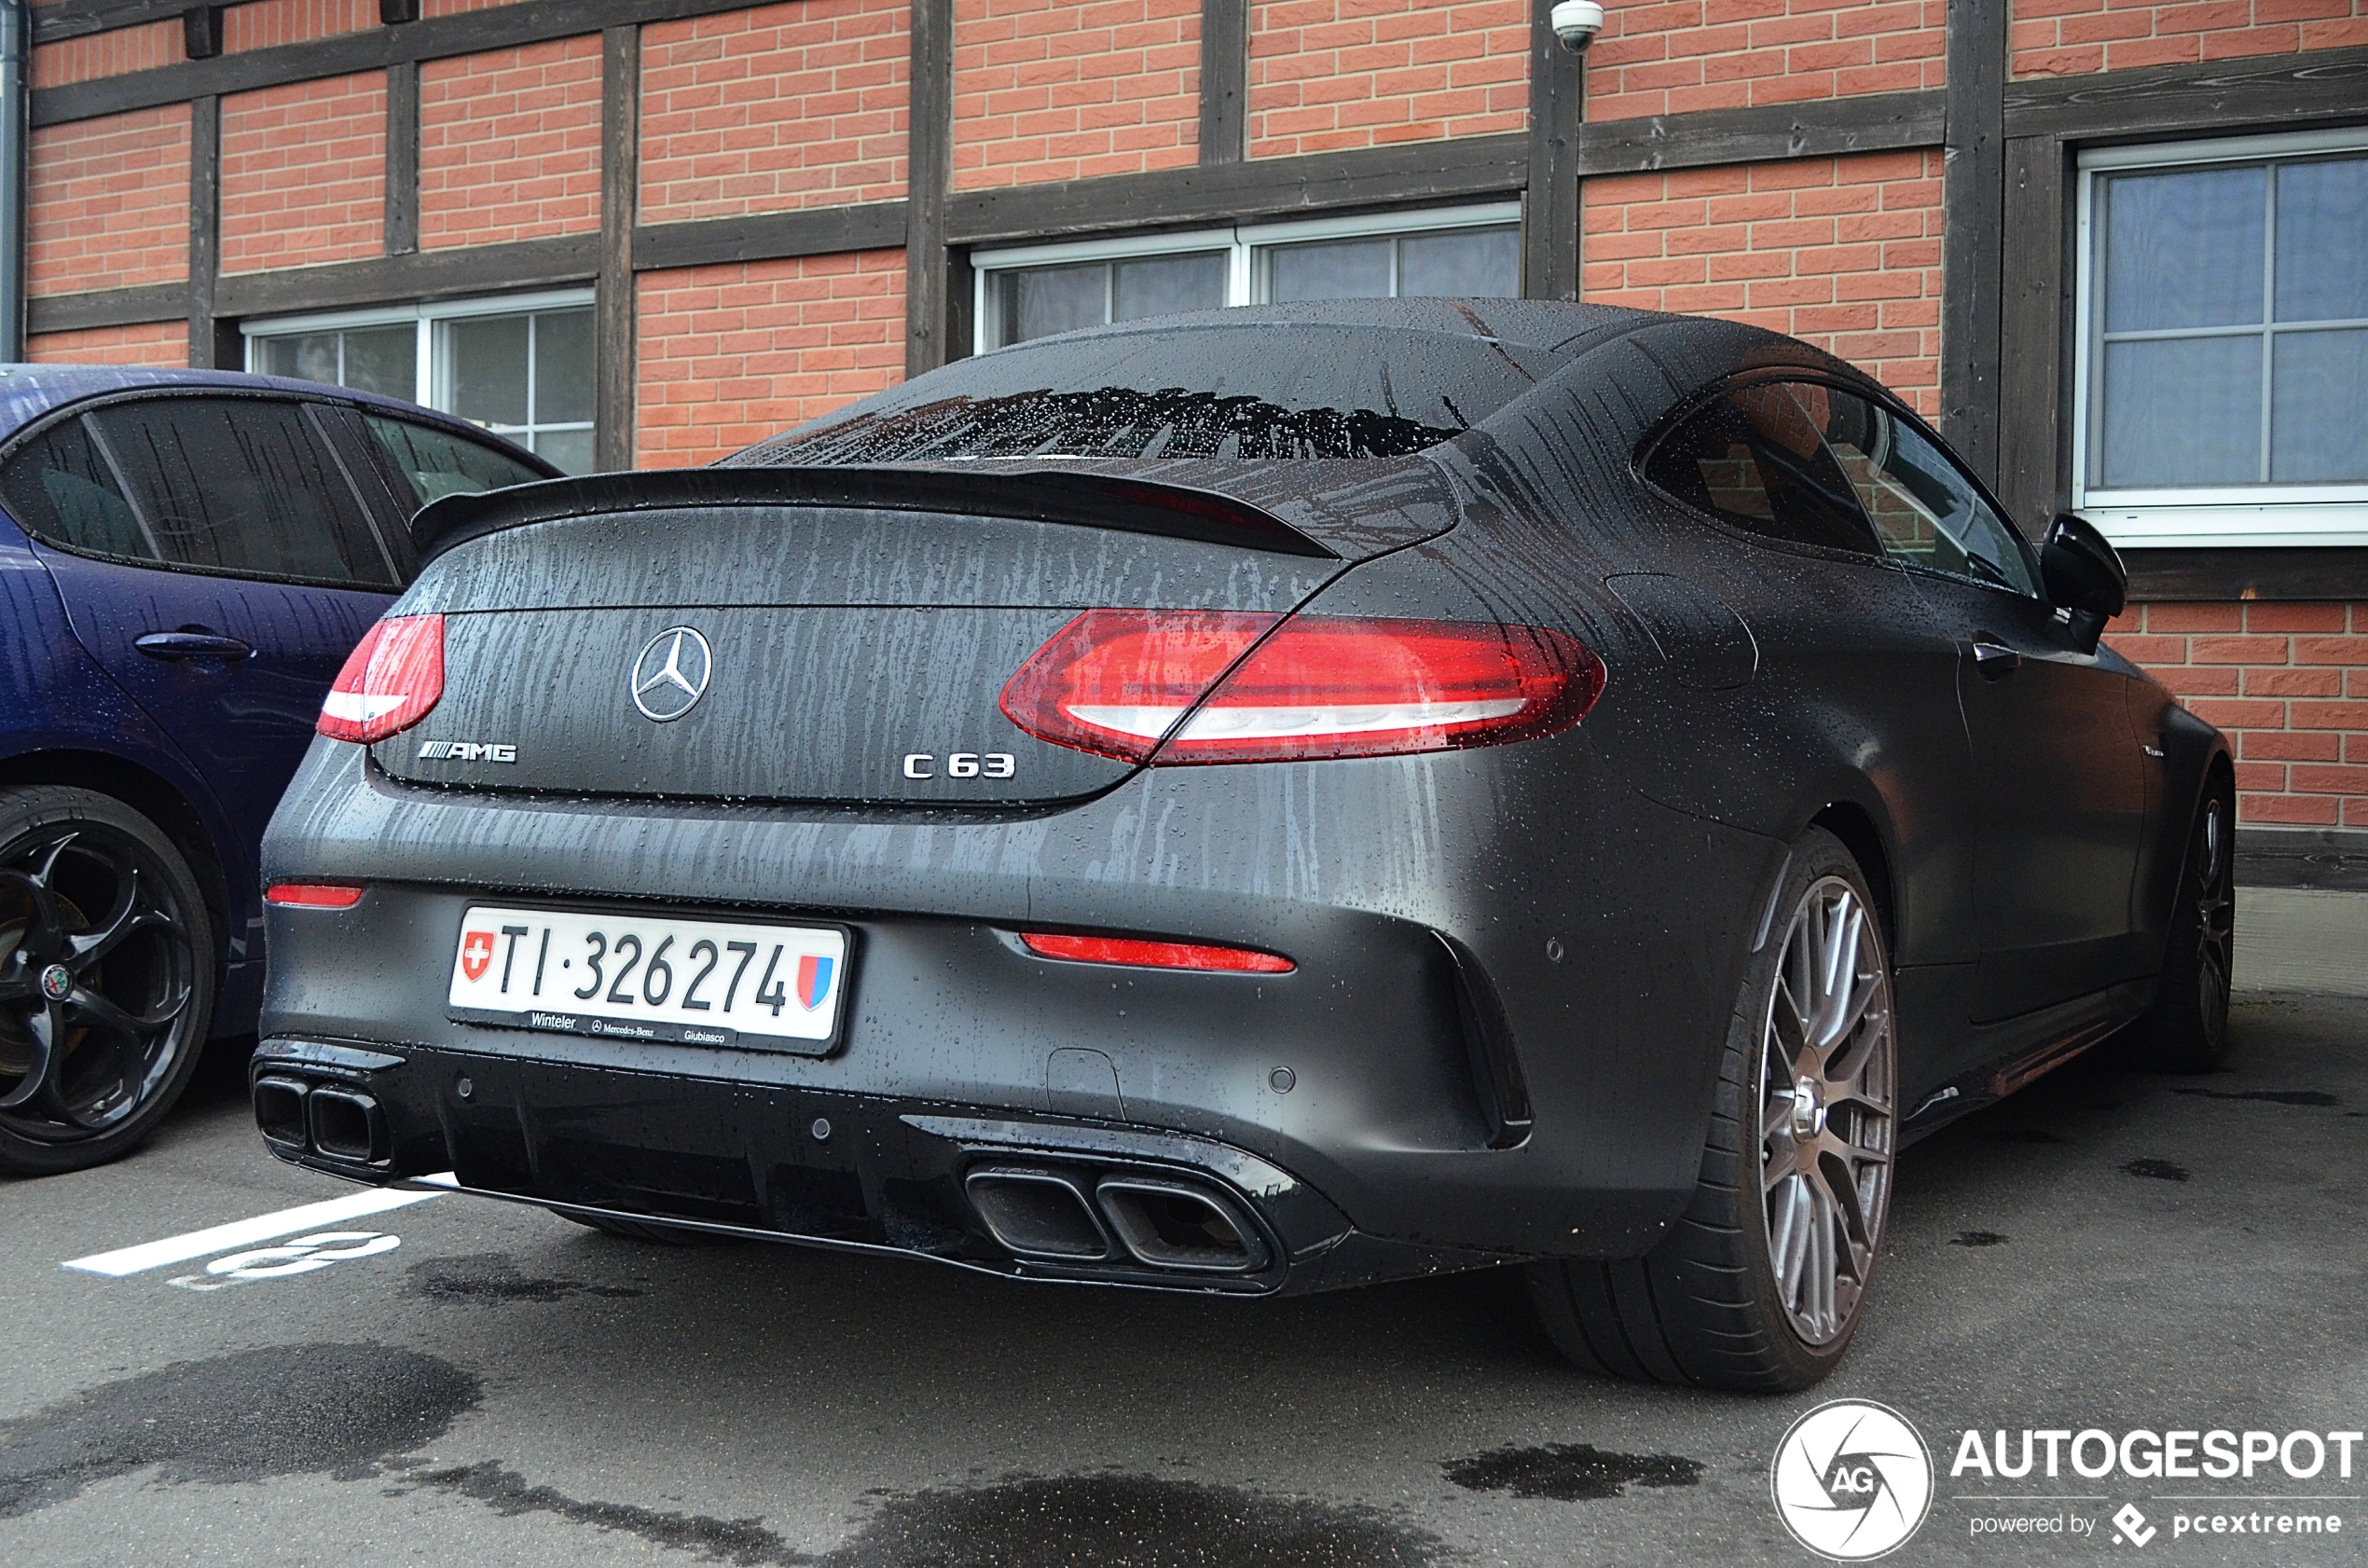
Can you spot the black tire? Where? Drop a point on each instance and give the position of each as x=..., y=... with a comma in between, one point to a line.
x=2187, y=1029
x=1710, y=1304
x=656, y=1230
x=107, y=973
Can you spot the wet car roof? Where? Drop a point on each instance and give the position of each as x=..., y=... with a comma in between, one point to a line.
x=28, y=392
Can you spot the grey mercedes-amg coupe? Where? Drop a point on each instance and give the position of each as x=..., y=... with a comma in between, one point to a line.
x=1254, y=802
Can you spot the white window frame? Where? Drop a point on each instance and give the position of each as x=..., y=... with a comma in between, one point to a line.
x=2235, y=515
x=429, y=388
x=1242, y=246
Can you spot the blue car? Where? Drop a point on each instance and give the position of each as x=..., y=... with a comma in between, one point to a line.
x=186, y=558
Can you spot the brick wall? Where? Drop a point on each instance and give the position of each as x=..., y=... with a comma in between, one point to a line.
x=108, y=202
x=106, y=54
x=786, y=106
x=1057, y=89
x=264, y=23
x=304, y=174
x=1328, y=74
x=510, y=144
x=1843, y=253
x=732, y=354
x=1655, y=57
x=2069, y=37
x=2288, y=682
x=164, y=344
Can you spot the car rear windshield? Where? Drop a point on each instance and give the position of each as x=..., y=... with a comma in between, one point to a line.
x=1275, y=390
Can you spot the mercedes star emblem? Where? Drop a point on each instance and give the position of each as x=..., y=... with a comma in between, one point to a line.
x=671, y=676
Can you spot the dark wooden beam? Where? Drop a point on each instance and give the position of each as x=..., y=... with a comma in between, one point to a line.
x=574, y=259
x=79, y=19
x=2034, y=329
x=132, y=306
x=1707, y=138
x=1973, y=202
x=1557, y=118
x=1466, y=169
x=2283, y=572
x=346, y=54
x=875, y=226
x=615, y=351
x=205, y=234
x=2215, y=97
x=929, y=183
x=1225, y=80
x=403, y=157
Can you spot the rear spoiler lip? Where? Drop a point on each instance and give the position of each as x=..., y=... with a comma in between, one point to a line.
x=1045, y=495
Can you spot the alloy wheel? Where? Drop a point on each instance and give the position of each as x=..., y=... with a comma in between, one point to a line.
x=97, y=976
x=2215, y=917
x=1826, y=1097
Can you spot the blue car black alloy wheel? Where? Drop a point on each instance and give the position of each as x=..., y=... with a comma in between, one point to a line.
x=106, y=967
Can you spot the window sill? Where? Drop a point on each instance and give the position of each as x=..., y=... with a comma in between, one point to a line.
x=2272, y=525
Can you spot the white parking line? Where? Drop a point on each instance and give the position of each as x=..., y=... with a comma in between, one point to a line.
x=246, y=1232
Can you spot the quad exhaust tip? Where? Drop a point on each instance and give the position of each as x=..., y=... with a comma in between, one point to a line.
x=342, y=1124
x=1159, y=1223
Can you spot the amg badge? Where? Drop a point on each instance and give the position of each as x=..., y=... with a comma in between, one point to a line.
x=466, y=751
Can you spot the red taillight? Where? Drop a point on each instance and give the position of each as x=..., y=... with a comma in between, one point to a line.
x=390, y=680
x=1154, y=955
x=1122, y=682
x=313, y=895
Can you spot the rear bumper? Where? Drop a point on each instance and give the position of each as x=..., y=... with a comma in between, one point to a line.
x=848, y=1172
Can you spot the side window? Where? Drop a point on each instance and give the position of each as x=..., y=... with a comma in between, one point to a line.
x=60, y=488
x=433, y=463
x=1753, y=457
x=1924, y=509
x=243, y=486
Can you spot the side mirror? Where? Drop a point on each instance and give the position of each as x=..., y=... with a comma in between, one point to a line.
x=2084, y=574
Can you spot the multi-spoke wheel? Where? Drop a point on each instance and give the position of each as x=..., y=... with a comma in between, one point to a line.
x=2187, y=1031
x=1761, y=1284
x=106, y=978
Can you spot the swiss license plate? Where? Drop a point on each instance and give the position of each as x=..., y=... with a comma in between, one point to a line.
x=635, y=977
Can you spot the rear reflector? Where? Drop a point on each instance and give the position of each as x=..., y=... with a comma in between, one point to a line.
x=1174, y=686
x=1154, y=955
x=312, y=895
x=390, y=682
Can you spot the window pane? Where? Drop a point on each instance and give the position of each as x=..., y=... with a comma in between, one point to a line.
x=2319, y=419
x=1338, y=269
x=1038, y=301
x=1924, y=509
x=308, y=356
x=383, y=359
x=2322, y=242
x=562, y=367
x=486, y=359
x=2183, y=249
x=570, y=450
x=1163, y=285
x=2182, y=411
x=434, y=463
x=1483, y=263
x=59, y=487
x=242, y=484
x=1754, y=458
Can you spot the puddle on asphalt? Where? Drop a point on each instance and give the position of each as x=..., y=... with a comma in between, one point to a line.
x=2161, y=1170
x=491, y=1276
x=1570, y=1472
x=2275, y=1096
x=1977, y=1238
x=340, y=1408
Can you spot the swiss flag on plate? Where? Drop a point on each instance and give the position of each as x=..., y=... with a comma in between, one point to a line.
x=477, y=952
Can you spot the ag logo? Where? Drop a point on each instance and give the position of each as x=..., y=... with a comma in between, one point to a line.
x=1851, y=1481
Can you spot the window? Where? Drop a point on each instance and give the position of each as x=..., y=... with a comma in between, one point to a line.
x=1926, y=511
x=519, y=367
x=244, y=486
x=2223, y=383
x=434, y=464
x=1471, y=252
x=1753, y=457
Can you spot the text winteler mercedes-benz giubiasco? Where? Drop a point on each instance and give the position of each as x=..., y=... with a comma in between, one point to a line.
x=1256, y=802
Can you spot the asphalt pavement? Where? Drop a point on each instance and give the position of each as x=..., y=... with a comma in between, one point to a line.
x=2107, y=1250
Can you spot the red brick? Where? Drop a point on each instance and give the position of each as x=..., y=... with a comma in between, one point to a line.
x=2233, y=714
x=2194, y=617
x=2330, y=650
x=2071, y=37
x=106, y=54
x=2306, y=715
x=2282, y=683
x=2321, y=811
x=2260, y=616
x=304, y=174
x=1333, y=73
x=2188, y=680
x=161, y=344
x=2282, y=746
x=2327, y=778
x=108, y=202
x=2237, y=650
x=510, y=144
x=2148, y=650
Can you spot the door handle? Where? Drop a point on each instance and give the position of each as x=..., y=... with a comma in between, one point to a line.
x=191, y=645
x=1995, y=660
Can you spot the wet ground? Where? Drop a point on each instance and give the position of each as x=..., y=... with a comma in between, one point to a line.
x=2107, y=1250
